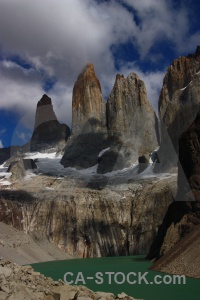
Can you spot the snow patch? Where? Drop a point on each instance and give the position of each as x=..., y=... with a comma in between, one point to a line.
x=89, y=171
x=103, y=151
x=29, y=176
x=185, y=86
x=38, y=155
x=5, y=182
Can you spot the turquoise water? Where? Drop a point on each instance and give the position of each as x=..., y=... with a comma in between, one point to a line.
x=124, y=264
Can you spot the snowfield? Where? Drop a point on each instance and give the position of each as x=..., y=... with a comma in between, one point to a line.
x=49, y=164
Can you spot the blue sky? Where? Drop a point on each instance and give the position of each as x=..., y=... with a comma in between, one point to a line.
x=45, y=44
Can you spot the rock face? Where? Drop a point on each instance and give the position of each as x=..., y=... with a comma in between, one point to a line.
x=178, y=104
x=86, y=222
x=130, y=115
x=44, y=111
x=184, y=214
x=89, y=132
x=83, y=150
x=88, y=105
x=131, y=118
x=131, y=124
x=48, y=132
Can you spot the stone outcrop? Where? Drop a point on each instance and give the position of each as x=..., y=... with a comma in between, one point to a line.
x=183, y=214
x=19, y=168
x=88, y=105
x=178, y=104
x=130, y=115
x=22, y=282
x=48, y=132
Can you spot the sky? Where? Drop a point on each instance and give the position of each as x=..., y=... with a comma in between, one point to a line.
x=44, y=45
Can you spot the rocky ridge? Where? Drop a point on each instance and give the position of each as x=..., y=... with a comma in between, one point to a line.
x=86, y=221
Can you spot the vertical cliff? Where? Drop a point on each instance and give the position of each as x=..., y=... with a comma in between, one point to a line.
x=132, y=123
x=119, y=220
x=88, y=105
x=178, y=104
x=44, y=111
x=130, y=115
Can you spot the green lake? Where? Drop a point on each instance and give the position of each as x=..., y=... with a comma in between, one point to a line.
x=121, y=266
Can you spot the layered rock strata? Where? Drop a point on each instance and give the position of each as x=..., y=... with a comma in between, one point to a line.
x=86, y=222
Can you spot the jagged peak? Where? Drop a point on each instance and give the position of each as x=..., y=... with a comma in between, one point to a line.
x=88, y=75
x=45, y=100
x=88, y=67
x=87, y=70
x=119, y=77
x=132, y=76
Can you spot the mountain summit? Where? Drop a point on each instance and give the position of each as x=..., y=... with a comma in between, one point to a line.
x=88, y=105
x=126, y=126
x=48, y=132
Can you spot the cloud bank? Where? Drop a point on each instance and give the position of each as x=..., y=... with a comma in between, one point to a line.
x=57, y=38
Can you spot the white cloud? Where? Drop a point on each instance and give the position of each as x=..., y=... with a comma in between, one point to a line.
x=59, y=37
x=20, y=89
x=1, y=144
x=160, y=20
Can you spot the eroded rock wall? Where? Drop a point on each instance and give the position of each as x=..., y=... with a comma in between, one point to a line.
x=92, y=223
